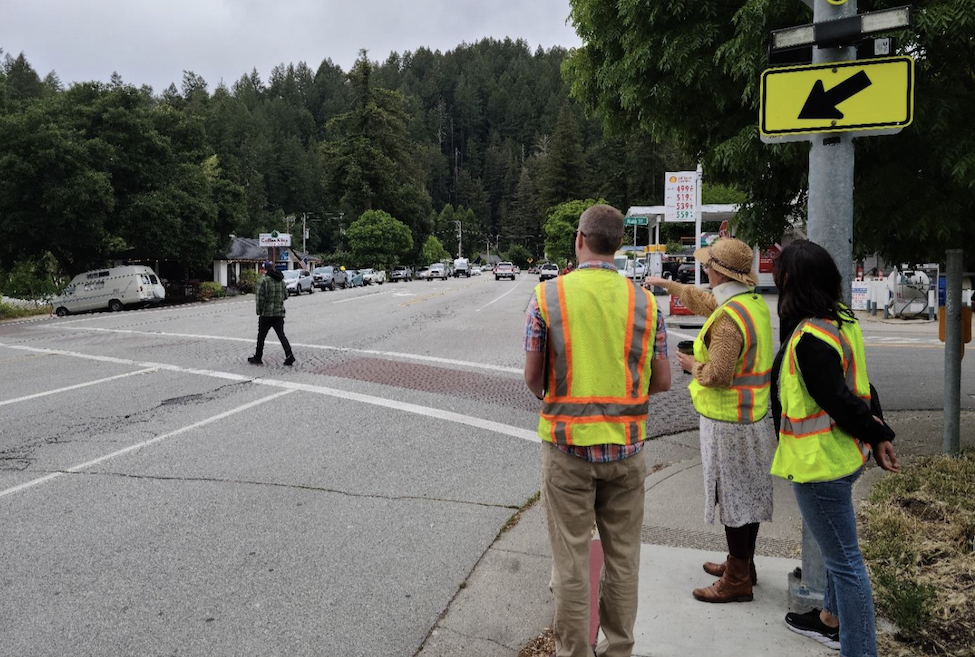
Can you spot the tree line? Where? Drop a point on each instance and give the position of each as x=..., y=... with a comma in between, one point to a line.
x=485, y=135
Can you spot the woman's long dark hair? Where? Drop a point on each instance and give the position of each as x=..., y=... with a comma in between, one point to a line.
x=809, y=285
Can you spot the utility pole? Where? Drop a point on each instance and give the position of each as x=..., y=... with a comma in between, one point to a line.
x=830, y=221
x=953, y=353
x=460, y=236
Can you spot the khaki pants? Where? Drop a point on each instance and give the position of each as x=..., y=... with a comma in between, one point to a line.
x=577, y=493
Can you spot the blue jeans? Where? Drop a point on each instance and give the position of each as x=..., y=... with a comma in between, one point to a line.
x=827, y=511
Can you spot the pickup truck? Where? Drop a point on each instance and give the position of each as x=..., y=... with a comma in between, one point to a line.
x=370, y=276
x=504, y=270
x=437, y=270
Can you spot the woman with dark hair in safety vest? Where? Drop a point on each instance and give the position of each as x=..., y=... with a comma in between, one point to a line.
x=729, y=386
x=828, y=420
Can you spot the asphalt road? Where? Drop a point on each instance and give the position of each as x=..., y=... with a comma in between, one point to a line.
x=161, y=496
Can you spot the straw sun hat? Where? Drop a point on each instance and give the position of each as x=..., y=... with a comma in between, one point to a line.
x=731, y=257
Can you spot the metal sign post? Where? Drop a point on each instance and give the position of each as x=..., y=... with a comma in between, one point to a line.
x=953, y=353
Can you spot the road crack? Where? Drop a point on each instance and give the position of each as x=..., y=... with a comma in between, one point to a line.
x=272, y=484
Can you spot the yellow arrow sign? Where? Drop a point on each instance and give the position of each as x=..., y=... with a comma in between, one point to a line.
x=868, y=94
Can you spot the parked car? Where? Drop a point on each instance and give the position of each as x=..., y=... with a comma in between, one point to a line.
x=504, y=270
x=298, y=281
x=110, y=289
x=329, y=277
x=437, y=270
x=685, y=273
x=355, y=278
x=635, y=270
x=547, y=271
x=370, y=276
x=475, y=271
x=422, y=272
x=400, y=273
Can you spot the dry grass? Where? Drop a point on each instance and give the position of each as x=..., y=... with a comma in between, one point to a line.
x=541, y=646
x=918, y=538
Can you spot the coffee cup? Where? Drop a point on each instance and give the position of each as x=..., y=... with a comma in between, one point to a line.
x=686, y=347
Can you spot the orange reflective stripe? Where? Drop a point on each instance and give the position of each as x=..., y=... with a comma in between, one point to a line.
x=594, y=419
x=628, y=340
x=566, y=399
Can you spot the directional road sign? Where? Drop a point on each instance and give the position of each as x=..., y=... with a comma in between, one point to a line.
x=635, y=221
x=866, y=94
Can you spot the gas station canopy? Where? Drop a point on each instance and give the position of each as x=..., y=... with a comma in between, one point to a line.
x=712, y=212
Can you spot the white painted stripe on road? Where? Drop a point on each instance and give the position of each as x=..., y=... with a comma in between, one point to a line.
x=678, y=334
x=364, y=296
x=450, y=416
x=370, y=352
x=75, y=387
x=490, y=425
x=501, y=297
x=146, y=443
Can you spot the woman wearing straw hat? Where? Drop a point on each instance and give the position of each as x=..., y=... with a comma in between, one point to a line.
x=729, y=386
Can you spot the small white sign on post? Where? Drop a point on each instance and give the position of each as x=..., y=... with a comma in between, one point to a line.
x=859, y=292
x=275, y=239
x=680, y=196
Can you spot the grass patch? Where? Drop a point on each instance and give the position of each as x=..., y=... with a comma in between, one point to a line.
x=918, y=539
x=9, y=311
x=516, y=516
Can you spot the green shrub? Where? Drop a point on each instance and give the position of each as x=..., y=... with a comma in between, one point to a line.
x=211, y=290
x=247, y=281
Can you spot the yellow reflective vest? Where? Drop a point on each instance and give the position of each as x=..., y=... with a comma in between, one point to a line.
x=601, y=331
x=746, y=400
x=812, y=447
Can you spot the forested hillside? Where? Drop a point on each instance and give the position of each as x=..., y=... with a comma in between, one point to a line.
x=484, y=134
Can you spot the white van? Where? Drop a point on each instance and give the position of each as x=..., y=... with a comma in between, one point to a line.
x=112, y=288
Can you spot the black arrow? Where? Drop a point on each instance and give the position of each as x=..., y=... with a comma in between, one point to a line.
x=821, y=104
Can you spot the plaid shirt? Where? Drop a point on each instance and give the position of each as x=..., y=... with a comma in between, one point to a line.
x=536, y=334
x=270, y=297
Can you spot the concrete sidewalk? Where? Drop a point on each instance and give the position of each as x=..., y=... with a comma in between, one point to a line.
x=505, y=602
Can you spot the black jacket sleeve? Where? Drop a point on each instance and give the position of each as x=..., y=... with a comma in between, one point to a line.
x=822, y=371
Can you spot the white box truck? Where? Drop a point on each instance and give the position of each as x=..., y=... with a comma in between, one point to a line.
x=462, y=267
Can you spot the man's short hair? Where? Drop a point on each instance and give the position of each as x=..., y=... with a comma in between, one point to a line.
x=602, y=226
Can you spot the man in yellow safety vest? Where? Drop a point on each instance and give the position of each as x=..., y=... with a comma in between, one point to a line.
x=594, y=344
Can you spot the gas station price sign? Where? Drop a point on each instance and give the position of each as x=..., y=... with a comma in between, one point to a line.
x=680, y=196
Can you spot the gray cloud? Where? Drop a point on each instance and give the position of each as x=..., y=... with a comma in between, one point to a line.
x=153, y=42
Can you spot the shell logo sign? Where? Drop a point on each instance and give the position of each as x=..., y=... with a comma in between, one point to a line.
x=673, y=179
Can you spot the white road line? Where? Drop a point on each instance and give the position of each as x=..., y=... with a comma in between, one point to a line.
x=501, y=297
x=364, y=296
x=74, y=387
x=678, y=334
x=497, y=427
x=146, y=443
x=370, y=352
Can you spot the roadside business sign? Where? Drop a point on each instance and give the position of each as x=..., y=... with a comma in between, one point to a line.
x=680, y=196
x=274, y=239
x=870, y=94
x=635, y=221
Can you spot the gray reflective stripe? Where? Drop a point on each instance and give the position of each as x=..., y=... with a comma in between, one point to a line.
x=807, y=426
x=826, y=326
x=557, y=339
x=637, y=348
x=634, y=432
x=592, y=409
x=561, y=437
x=747, y=405
x=751, y=356
x=834, y=332
x=754, y=380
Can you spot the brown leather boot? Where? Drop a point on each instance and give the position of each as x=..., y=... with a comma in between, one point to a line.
x=717, y=569
x=734, y=586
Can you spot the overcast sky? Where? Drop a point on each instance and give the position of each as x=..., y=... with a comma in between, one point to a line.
x=154, y=41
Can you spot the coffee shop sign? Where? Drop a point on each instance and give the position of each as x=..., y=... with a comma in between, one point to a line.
x=275, y=239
